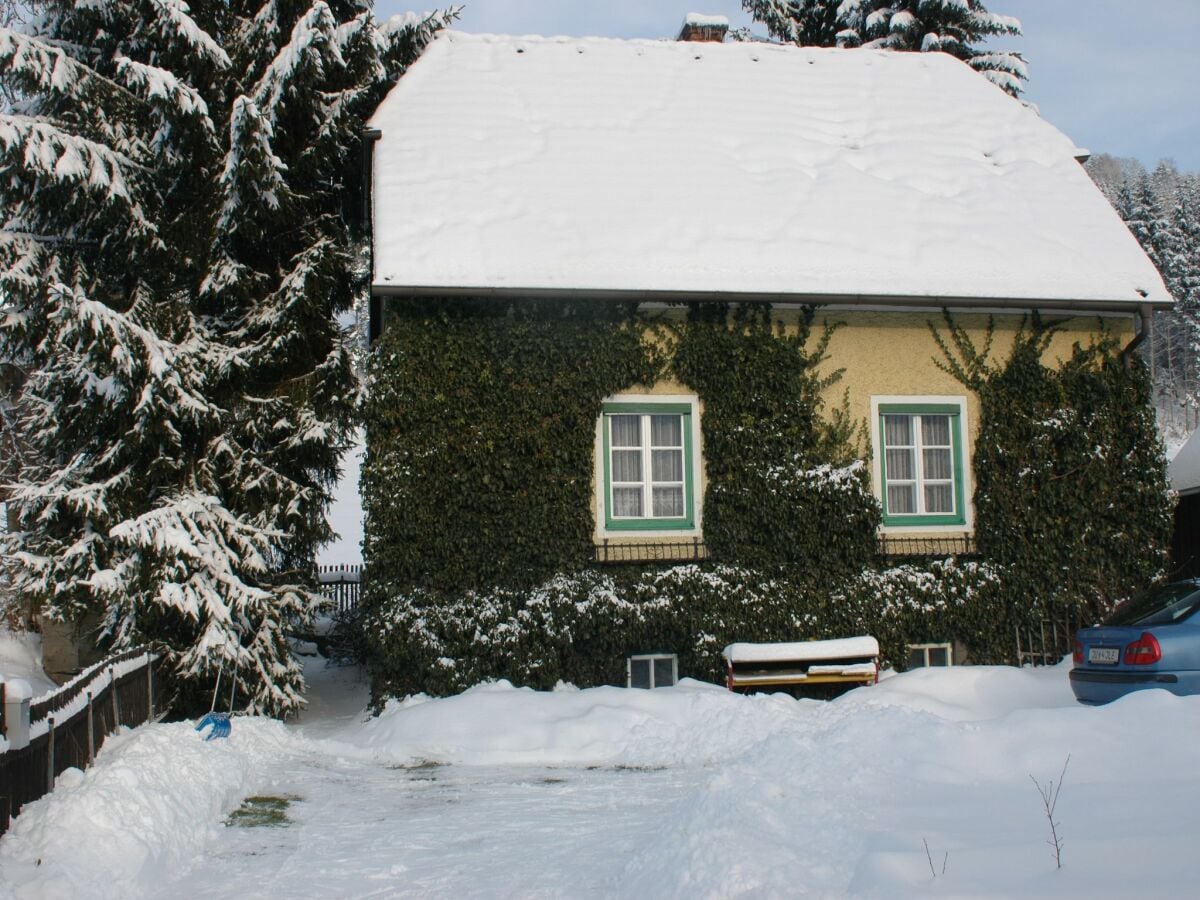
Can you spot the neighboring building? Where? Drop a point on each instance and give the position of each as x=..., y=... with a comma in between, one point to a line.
x=1184, y=473
x=881, y=187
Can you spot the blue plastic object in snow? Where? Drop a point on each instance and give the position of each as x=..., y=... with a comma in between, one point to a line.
x=219, y=723
x=218, y=720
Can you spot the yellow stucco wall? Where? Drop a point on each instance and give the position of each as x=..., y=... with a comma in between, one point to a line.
x=893, y=353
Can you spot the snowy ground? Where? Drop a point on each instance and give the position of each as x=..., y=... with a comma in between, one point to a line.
x=682, y=792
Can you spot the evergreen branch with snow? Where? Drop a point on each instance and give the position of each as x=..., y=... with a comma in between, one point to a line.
x=949, y=26
x=173, y=256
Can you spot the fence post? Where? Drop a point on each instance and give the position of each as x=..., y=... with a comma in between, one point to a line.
x=50, y=757
x=112, y=686
x=16, y=695
x=149, y=687
x=91, y=731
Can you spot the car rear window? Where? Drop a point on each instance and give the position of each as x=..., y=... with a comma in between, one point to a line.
x=1166, y=605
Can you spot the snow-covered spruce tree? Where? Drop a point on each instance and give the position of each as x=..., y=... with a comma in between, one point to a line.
x=952, y=26
x=175, y=249
x=1162, y=210
x=1139, y=208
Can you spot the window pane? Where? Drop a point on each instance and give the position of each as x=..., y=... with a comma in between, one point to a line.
x=627, y=502
x=668, y=502
x=667, y=465
x=939, y=498
x=902, y=498
x=900, y=465
x=916, y=657
x=627, y=465
x=935, y=431
x=937, y=465
x=898, y=431
x=938, y=656
x=639, y=673
x=626, y=431
x=666, y=431
x=663, y=673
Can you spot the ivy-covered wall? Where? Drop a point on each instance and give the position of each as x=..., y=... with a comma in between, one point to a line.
x=786, y=484
x=480, y=425
x=1071, y=491
x=478, y=489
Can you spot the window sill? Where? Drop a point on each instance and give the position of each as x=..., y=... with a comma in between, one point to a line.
x=912, y=523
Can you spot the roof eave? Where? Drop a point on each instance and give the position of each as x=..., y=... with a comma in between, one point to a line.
x=801, y=298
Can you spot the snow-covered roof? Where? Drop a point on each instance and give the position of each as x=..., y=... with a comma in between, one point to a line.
x=563, y=164
x=1183, y=472
x=701, y=20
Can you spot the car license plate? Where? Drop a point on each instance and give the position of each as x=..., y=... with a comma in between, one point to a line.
x=1104, y=655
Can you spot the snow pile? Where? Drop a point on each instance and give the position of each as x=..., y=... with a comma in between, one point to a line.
x=524, y=163
x=139, y=815
x=844, y=807
x=692, y=723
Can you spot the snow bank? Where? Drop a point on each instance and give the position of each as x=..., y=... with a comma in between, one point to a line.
x=693, y=723
x=498, y=724
x=139, y=815
x=844, y=807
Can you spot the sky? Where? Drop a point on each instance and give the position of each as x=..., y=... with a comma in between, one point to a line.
x=1116, y=82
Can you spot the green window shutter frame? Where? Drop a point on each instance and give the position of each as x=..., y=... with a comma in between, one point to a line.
x=955, y=412
x=686, y=411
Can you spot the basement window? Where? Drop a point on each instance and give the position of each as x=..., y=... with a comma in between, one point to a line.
x=926, y=656
x=651, y=670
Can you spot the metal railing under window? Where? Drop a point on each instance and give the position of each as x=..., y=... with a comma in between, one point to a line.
x=609, y=551
x=898, y=549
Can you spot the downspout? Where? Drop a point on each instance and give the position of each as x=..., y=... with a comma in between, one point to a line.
x=374, y=303
x=1143, y=327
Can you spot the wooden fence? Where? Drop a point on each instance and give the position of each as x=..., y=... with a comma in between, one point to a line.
x=341, y=585
x=68, y=726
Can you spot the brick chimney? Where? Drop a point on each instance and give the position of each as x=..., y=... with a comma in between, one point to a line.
x=699, y=27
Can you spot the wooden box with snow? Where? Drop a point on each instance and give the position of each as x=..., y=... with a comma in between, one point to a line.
x=818, y=669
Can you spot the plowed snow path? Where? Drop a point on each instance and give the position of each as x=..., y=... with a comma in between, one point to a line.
x=365, y=830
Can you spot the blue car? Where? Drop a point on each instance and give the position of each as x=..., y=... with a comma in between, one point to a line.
x=1152, y=641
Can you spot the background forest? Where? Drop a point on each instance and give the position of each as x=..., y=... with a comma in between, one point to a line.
x=1162, y=209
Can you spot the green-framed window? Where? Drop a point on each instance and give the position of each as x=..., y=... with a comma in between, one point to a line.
x=922, y=464
x=649, y=483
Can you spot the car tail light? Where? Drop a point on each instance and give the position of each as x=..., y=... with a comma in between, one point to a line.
x=1144, y=651
x=1077, y=652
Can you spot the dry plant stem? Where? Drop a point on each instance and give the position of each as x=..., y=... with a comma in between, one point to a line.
x=929, y=856
x=1049, y=793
